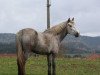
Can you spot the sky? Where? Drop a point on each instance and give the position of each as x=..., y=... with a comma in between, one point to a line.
x=18, y=14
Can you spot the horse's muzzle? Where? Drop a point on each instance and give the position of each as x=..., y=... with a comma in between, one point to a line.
x=77, y=34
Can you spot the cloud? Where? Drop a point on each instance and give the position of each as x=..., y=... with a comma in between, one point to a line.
x=18, y=14
x=86, y=13
x=92, y=34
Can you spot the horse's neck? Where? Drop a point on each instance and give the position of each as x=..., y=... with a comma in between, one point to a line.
x=62, y=34
x=61, y=31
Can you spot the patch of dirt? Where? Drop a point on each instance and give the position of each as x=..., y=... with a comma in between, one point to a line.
x=93, y=57
x=7, y=55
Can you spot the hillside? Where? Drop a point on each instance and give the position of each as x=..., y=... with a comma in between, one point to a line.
x=70, y=44
x=7, y=43
x=82, y=44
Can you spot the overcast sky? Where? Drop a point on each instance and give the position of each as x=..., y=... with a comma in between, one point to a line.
x=18, y=14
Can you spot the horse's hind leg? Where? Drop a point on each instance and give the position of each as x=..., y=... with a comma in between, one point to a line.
x=21, y=59
x=21, y=65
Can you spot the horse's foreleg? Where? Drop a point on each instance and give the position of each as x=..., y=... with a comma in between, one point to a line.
x=53, y=65
x=49, y=64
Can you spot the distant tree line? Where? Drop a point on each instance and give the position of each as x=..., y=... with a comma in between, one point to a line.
x=7, y=48
x=70, y=45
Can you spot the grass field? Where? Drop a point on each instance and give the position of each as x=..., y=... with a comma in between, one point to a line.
x=38, y=66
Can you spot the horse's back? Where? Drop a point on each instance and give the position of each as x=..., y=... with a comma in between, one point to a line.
x=26, y=31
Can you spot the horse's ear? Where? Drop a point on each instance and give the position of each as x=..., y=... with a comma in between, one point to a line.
x=68, y=20
x=73, y=19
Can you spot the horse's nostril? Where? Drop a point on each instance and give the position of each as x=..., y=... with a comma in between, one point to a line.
x=77, y=35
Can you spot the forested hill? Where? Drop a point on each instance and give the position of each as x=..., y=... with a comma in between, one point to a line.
x=82, y=44
x=70, y=44
x=7, y=43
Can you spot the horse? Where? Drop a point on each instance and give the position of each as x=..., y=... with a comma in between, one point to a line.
x=46, y=43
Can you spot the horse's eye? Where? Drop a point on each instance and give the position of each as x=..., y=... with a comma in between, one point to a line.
x=70, y=26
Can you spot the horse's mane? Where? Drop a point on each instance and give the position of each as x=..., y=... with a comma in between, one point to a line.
x=56, y=29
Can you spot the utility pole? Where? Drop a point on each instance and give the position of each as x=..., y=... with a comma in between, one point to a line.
x=48, y=14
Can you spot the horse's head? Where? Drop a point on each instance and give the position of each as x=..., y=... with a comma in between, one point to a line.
x=71, y=28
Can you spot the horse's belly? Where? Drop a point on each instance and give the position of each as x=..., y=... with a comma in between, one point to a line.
x=41, y=50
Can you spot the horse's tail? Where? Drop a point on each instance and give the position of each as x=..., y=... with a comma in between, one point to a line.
x=20, y=56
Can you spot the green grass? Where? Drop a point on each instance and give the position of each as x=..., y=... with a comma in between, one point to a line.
x=38, y=66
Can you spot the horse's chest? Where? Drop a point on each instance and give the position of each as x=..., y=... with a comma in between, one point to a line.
x=54, y=45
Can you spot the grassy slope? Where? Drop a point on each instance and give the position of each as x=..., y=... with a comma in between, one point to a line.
x=38, y=66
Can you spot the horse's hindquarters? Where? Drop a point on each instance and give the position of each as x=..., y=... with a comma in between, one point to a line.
x=27, y=39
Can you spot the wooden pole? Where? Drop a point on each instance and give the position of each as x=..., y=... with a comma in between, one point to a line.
x=48, y=14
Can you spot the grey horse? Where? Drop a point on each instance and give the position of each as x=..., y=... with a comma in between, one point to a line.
x=46, y=43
